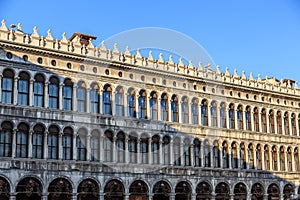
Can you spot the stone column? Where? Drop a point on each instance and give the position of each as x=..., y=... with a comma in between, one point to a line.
x=229, y=157
x=1, y=88
x=44, y=197
x=74, y=98
x=114, y=148
x=12, y=196
x=31, y=93
x=193, y=197
x=227, y=116
x=268, y=120
x=45, y=156
x=201, y=154
x=254, y=158
x=208, y=114
x=290, y=124
x=179, y=112
x=282, y=126
x=60, y=96
x=293, y=162
x=101, y=101
x=15, y=96
x=285, y=160
x=231, y=196
x=160, y=152
x=13, y=152
x=238, y=155
x=88, y=147
x=87, y=100
x=218, y=116
x=158, y=109
x=149, y=151
x=259, y=120
x=136, y=102
x=192, y=154
x=211, y=156
x=148, y=116
x=113, y=103
x=125, y=105
x=182, y=160
x=60, y=147
x=220, y=157
x=278, y=159
x=252, y=120
x=189, y=112
x=199, y=114
x=74, y=147
x=270, y=160
x=296, y=121
x=127, y=155
x=138, y=154
x=266, y=196
x=275, y=123
x=169, y=111
x=172, y=196
x=30, y=144
x=244, y=120
x=46, y=95
x=236, y=118
x=100, y=149
x=171, y=151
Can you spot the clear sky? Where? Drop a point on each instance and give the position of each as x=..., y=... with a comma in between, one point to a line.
x=259, y=36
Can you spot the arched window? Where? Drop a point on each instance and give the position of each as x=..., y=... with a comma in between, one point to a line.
x=88, y=189
x=213, y=114
x=52, y=142
x=271, y=121
x=95, y=145
x=223, y=115
x=250, y=156
x=7, y=86
x=279, y=123
x=239, y=113
x=60, y=188
x=267, y=158
x=5, y=189
x=204, y=114
x=37, y=141
x=206, y=154
x=264, y=120
x=174, y=108
x=155, y=149
x=108, y=146
x=29, y=188
x=197, y=158
x=187, y=152
x=234, y=154
x=289, y=159
x=131, y=103
x=22, y=141
x=184, y=110
x=120, y=144
x=81, y=144
x=119, y=101
x=231, y=116
x=216, y=155
x=6, y=139
x=164, y=107
x=288, y=191
x=240, y=191
x=138, y=190
x=53, y=92
x=107, y=90
x=94, y=99
x=222, y=191
x=81, y=97
x=195, y=111
x=144, y=149
x=257, y=191
x=225, y=155
x=176, y=152
x=273, y=191
x=256, y=119
x=183, y=191
x=67, y=94
x=274, y=159
x=142, y=104
x=203, y=191
x=282, y=159
x=67, y=143
x=161, y=191
x=293, y=124
x=286, y=123
x=38, y=90
x=166, y=150
x=23, y=89
x=153, y=106
x=258, y=157
x=296, y=160
x=243, y=163
x=248, y=118
x=132, y=148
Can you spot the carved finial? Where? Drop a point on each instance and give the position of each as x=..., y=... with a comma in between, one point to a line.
x=49, y=36
x=296, y=85
x=208, y=66
x=218, y=70
x=19, y=27
x=180, y=61
x=103, y=45
x=227, y=71
x=64, y=37
x=243, y=74
x=138, y=53
x=258, y=77
x=191, y=64
x=150, y=55
x=116, y=47
x=3, y=26
x=200, y=66
x=91, y=43
x=161, y=59
x=127, y=51
x=171, y=59
x=251, y=77
x=235, y=73
x=35, y=32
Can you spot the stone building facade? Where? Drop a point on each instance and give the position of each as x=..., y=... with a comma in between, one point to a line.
x=85, y=122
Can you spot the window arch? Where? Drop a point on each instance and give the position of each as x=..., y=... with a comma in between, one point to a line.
x=144, y=149
x=67, y=143
x=174, y=108
x=38, y=141
x=289, y=159
x=234, y=155
x=176, y=151
x=22, y=141
x=251, y=156
x=240, y=191
x=248, y=118
x=132, y=148
x=184, y=110
x=7, y=86
x=114, y=190
x=67, y=94
x=266, y=157
x=203, y=191
x=195, y=111
x=6, y=139
x=60, y=188
x=293, y=124
x=288, y=191
x=187, y=152
x=81, y=144
x=282, y=158
x=142, y=104
x=273, y=191
x=279, y=122
x=131, y=103
x=286, y=123
x=23, y=89
x=197, y=153
x=231, y=116
x=204, y=112
x=239, y=113
x=166, y=149
x=256, y=119
x=183, y=191
x=274, y=158
x=216, y=154
x=5, y=189
x=155, y=149
x=88, y=189
x=271, y=121
x=81, y=97
x=243, y=163
x=38, y=90
x=120, y=144
x=119, y=98
x=264, y=120
x=95, y=145
x=107, y=92
x=206, y=155
x=296, y=160
x=225, y=156
x=222, y=191
x=153, y=105
x=164, y=107
x=138, y=190
x=94, y=98
x=213, y=114
x=53, y=92
x=258, y=157
x=257, y=191
x=53, y=142
x=223, y=115
x=108, y=146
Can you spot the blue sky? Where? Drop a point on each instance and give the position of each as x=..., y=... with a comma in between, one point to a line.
x=256, y=36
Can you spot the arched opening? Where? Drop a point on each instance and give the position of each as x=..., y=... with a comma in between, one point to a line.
x=22, y=141
x=7, y=86
x=174, y=108
x=288, y=191
x=183, y=191
x=81, y=97
x=234, y=155
x=164, y=107
x=195, y=111
x=197, y=158
x=240, y=117
x=166, y=150
x=243, y=163
x=264, y=120
x=107, y=103
x=29, y=189
x=153, y=106
x=114, y=190
x=257, y=192
x=142, y=104
x=52, y=142
x=108, y=146
x=155, y=149
x=161, y=191
x=248, y=118
x=132, y=148
x=213, y=113
x=223, y=115
x=273, y=192
x=256, y=119
x=53, y=92
x=6, y=139
x=23, y=88
x=67, y=94
x=38, y=141
x=119, y=96
x=144, y=149
x=204, y=113
x=131, y=103
x=88, y=189
x=38, y=90
x=279, y=122
x=203, y=191
x=94, y=98
x=184, y=110
x=59, y=189
x=231, y=116
x=138, y=190
x=222, y=191
x=120, y=147
x=240, y=191
x=216, y=155
x=271, y=121
x=4, y=189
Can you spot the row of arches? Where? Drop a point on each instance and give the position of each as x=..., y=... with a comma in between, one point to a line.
x=52, y=142
x=144, y=104
x=31, y=188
